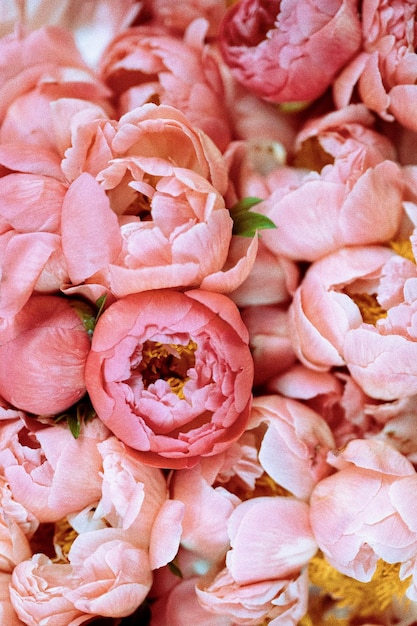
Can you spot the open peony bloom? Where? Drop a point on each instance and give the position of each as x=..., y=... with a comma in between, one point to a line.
x=365, y=511
x=170, y=374
x=350, y=192
x=286, y=50
x=164, y=180
x=43, y=350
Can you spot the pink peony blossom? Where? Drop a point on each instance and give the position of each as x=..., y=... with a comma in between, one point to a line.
x=287, y=51
x=280, y=602
x=170, y=374
x=42, y=354
x=38, y=463
x=383, y=73
x=7, y=613
x=364, y=512
x=350, y=192
x=148, y=64
x=164, y=180
x=302, y=437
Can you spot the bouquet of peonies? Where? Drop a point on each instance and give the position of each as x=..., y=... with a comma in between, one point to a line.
x=208, y=313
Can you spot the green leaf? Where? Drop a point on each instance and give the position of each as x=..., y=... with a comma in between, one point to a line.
x=77, y=415
x=247, y=223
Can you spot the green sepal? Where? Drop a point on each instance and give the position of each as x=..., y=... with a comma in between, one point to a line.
x=247, y=223
x=87, y=315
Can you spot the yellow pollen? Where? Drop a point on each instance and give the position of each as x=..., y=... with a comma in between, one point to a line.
x=64, y=537
x=403, y=248
x=312, y=155
x=368, y=305
x=342, y=600
x=264, y=486
x=169, y=362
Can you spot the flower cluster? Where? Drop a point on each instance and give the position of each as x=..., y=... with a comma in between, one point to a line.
x=208, y=313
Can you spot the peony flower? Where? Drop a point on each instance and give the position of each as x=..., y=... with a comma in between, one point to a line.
x=7, y=613
x=384, y=71
x=170, y=374
x=287, y=51
x=281, y=602
x=351, y=191
x=37, y=462
x=302, y=437
x=42, y=356
x=364, y=512
x=148, y=64
x=39, y=67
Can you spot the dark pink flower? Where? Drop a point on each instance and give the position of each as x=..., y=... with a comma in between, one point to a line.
x=288, y=50
x=170, y=373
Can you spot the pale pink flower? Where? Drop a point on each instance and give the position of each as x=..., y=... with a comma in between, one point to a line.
x=170, y=373
x=43, y=353
x=385, y=70
x=286, y=51
x=38, y=464
x=281, y=602
x=134, y=499
x=7, y=613
x=148, y=64
x=364, y=512
x=302, y=437
x=351, y=192
x=270, y=539
x=323, y=309
x=207, y=509
x=106, y=575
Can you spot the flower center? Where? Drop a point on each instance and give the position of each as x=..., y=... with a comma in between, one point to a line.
x=403, y=248
x=369, y=307
x=169, y=362
x=344, y=600
x=64, y=537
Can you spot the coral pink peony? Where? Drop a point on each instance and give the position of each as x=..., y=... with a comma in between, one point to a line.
x=42, y=356
x=170, y=374
x=286, y=50
x=384, y=72
x=38, y=463
x=351, y=191
x=148, y=64
x=365, y=511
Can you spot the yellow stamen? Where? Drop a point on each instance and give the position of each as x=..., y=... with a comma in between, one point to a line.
x=64, y=537
x=369, y=307
x=403, y=248
x=169, y=362
x=341, y=599
x=264, y=486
